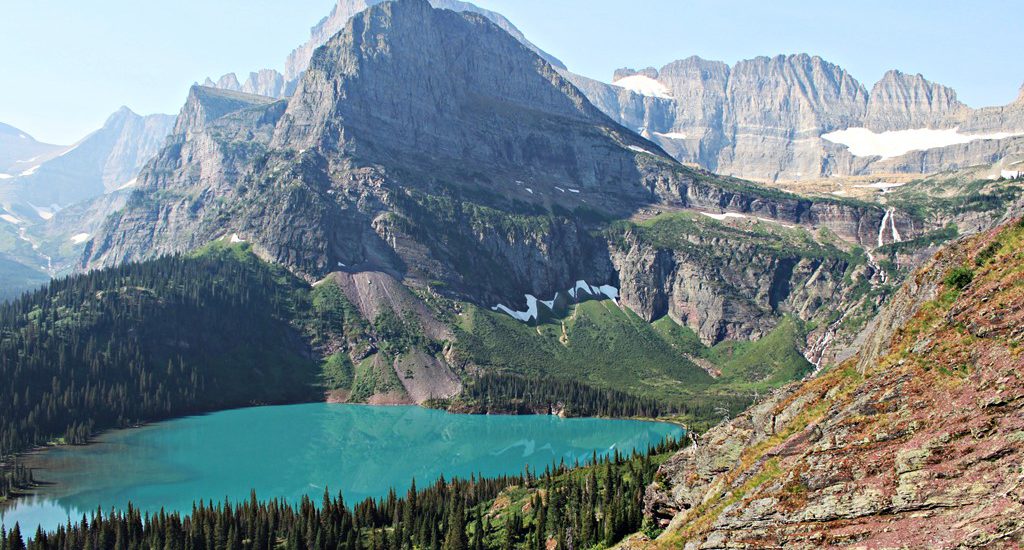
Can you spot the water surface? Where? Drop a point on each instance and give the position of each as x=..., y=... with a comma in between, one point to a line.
x=290, y=451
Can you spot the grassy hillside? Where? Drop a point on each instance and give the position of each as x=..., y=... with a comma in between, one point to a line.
x=603, y=345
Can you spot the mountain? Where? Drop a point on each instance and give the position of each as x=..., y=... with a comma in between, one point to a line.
x=19, y=151
x=428, y=154
x=913, y=443
x=270, y=82
x=799, y=117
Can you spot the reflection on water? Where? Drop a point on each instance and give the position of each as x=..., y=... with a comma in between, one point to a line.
x=290, y=451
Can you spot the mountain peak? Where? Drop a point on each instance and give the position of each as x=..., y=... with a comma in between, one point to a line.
x=901, y=100
x=206, y=104
x=406, y=77
x=345, y=10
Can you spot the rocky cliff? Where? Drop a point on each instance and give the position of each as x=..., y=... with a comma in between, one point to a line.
x=900, y=101
x=914, y=443
x=773, y=118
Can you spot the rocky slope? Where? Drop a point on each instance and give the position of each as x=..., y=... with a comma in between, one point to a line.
x=914, y=443
x=774, y=118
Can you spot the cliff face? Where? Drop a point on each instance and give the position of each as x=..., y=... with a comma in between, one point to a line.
x=915, y=443
x=765, y=118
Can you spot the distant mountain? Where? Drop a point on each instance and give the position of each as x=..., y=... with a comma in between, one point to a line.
x=788, y=117
x=103, y=161
x=58, y=197
x=799, y=117
x=19, y=151
x=270, y=82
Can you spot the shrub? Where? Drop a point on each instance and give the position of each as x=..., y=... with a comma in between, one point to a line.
x=959, y=277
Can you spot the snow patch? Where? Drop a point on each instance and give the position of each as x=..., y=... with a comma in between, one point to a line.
x=530, y=190
x=80, y=238
x=560, y=189
x=671, y=135
x=574, y=190
x=1011, y=174
x=524, y=316
x=235, y=239
x=721, y=217
x=644, y=85
x=30, y=171
x=576, y=292
x=128, y=184
x=10, y=219
x=46, y=212
x=883, y=185
x=5, y=176
x=864, y=143
x=638, y=149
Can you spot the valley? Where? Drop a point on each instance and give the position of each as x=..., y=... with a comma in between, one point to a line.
x=703, y=306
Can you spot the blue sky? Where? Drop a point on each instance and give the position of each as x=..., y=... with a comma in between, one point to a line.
x=67, y=65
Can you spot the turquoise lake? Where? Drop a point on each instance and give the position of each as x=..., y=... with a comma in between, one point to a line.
x=289, y=451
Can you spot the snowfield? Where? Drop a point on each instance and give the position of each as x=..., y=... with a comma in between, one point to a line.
x=864, y=143
x=80, y=238
x=644, y=85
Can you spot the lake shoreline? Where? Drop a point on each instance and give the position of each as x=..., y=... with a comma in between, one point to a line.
x=30, y=459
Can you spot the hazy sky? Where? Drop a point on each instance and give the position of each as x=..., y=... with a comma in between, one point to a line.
x=67, y=64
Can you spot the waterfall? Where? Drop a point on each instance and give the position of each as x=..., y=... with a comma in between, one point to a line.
x=889, y=218
x=881, y=226
x=892, y=223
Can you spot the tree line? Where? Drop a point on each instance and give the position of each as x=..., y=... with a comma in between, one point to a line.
x=505, y=393
x=143, y=342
